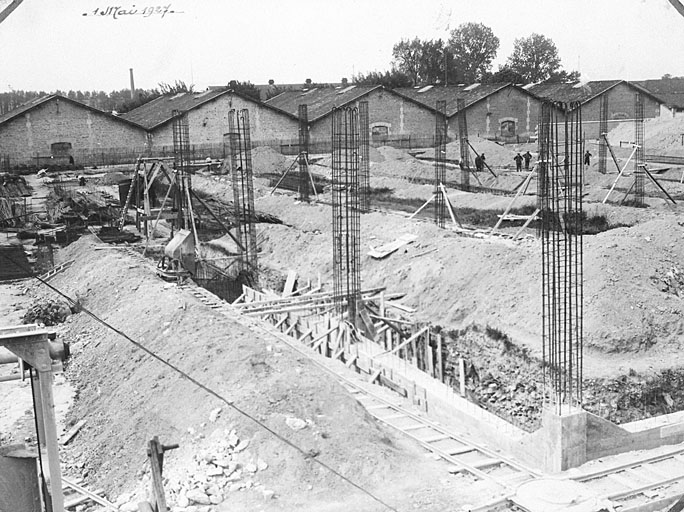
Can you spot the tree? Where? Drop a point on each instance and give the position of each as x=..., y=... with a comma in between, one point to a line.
x=472, y=47
x=177, y=87
x=535, y=58
x=390, y=79
x=245, y=88
x=407, y=56
x=563, y=76
x=505, y=75
x=421, y=61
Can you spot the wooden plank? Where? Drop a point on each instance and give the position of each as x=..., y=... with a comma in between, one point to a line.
x=374, y=376
x=155, y=453
x=351, y=361
x=290, y=283
x=307, y=333
x=68, y=436
x=406, y=342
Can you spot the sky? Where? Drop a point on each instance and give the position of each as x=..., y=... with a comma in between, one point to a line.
x=80, y=44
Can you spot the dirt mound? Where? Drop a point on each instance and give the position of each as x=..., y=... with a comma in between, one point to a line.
x=266, y=160
x=662, y=135
x=113, y=178
x=391, y=153
x=496, y=155
x=497, y=282
x=127, y=397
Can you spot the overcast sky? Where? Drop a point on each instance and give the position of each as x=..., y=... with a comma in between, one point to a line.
x=51, y=44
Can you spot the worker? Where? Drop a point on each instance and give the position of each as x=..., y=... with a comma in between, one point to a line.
x=81, y=181
x=587, y=158
x=527, y=156
x=518, y=162
x=479, y=162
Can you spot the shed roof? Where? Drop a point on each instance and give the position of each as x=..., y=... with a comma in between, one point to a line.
x=471, y=93
x=319, y=100
x=581, y=91
x=159, y=111
x=669, y=90
x=36, y=102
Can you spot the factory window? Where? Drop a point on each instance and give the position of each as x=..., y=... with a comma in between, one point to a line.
x=60, y=148
x=508, y=128
x=380, y=131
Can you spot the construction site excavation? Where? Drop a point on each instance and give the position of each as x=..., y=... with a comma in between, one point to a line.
x=348, y=324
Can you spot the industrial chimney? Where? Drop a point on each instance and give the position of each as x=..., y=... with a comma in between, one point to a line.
x=132, y=85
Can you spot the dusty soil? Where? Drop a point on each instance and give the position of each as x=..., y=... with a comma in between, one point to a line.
x=632, y=311
x=127, y=397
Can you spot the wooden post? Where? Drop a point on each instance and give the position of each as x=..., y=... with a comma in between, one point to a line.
x=429, y=359
x=440, y=368
x=461, y=376
x=51, y=441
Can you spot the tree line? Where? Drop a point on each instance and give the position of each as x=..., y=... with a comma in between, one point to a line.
x=466, y=57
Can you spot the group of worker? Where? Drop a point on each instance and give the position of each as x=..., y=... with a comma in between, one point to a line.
x=518, y=161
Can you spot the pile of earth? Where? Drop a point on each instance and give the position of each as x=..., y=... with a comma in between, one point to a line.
x=127, y=397
x=456, y=281
x=662, y=135
x=266, y=160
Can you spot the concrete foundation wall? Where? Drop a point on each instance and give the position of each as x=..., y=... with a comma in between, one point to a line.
x=61, y=121
x=209, y=123
x=484, y=118
x=399, y=116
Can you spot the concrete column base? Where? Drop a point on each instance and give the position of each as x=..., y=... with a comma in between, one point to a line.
x=565, y=439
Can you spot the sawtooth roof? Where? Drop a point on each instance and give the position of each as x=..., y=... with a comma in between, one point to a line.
x=159, y=111
x=669, y=90
x=321, y=100
x=34, y=103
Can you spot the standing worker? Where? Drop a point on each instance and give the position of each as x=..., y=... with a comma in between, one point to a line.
x=518, y=162
x=478, y=163
x=587, y=158
x=527, y=156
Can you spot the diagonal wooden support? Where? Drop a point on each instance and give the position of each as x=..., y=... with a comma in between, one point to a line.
x=620, y=174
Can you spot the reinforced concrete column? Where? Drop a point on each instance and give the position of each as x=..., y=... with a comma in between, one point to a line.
x=565, y=439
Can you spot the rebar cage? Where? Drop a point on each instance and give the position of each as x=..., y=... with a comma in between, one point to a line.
x=345, y=210
x=240, y=151
x=463, y=142
x=364, y=157
x=639, y=155
x=603, y=133
x=560, y=179
x=303, y=158
x=440, y=161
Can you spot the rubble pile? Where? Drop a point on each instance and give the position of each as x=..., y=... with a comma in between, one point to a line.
x=47, y=312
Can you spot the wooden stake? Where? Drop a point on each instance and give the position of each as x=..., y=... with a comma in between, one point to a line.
x=461, y=375
x=440, y=368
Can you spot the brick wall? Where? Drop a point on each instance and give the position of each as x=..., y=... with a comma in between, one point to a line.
x=33, y=132
x=400, y=116
x=484, y=118
x=208, y=123
x=620, y=106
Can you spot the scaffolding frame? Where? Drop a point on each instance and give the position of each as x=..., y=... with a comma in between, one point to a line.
x=345, y=211
x=560, y=183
